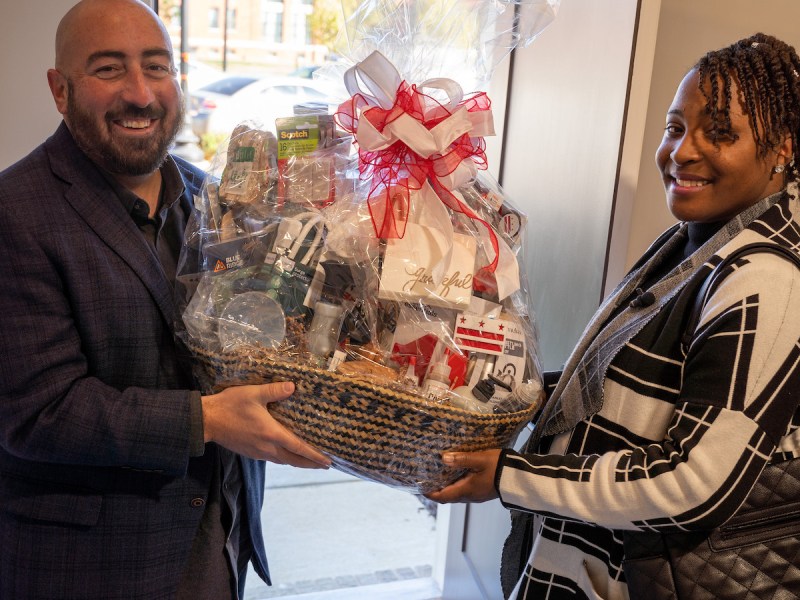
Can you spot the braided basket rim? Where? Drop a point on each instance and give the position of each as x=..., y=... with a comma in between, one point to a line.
x=358, y=446
x=269, y=361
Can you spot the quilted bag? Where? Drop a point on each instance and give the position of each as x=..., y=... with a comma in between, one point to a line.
x=753, y=556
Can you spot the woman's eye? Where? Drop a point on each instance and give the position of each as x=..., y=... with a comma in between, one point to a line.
x=673, y=129
x=722, y=133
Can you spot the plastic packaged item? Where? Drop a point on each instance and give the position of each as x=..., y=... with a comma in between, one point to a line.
x=485, y=389
x=249, y=173
x=462, y=397
x=249, y=319
x=306, y=173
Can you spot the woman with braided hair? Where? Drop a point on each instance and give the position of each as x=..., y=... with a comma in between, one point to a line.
x=664, y=463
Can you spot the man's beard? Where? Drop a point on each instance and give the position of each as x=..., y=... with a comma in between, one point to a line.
x=128, y=156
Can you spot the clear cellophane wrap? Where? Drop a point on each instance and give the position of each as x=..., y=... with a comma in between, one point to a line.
x=365, y=254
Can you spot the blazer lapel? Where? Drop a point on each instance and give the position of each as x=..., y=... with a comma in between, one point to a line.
x=93, y=199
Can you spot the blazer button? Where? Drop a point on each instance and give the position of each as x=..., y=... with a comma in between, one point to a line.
x=198, y=502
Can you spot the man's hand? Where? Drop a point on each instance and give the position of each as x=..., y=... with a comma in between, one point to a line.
x=477, y=485
x=237, y=418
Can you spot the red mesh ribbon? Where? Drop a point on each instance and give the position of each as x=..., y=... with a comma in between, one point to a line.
x=397, y=170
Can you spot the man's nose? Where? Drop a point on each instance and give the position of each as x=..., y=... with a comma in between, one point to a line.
x=138, y=89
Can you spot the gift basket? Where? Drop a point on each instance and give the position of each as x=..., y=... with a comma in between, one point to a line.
x=364, y=254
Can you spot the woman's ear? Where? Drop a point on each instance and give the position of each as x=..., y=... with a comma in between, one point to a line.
x=785, y=151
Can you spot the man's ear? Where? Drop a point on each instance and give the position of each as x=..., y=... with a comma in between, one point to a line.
x=59, y=89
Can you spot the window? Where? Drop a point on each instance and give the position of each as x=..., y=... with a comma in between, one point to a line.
x=272, y=27
x=230, y=22
x=301, y=22
x=213, y=18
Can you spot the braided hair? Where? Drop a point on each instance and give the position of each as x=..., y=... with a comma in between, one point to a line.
x=767, y=71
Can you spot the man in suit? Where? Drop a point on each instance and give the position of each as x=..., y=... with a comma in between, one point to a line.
x=116, y=479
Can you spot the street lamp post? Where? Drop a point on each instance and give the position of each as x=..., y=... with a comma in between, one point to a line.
x=225, y=40
x=186, y=143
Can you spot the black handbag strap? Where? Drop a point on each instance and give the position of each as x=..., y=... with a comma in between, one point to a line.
x=713, y=279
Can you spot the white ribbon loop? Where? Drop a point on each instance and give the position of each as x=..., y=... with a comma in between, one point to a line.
x=452, y=89
x=423, y=141
x=378, y=76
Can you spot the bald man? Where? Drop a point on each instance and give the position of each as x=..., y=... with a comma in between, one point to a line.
x=117, y=479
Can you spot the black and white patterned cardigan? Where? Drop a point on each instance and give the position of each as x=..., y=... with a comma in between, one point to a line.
x=678, y=439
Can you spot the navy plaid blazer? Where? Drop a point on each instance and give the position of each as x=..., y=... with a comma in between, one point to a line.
x=99, y=497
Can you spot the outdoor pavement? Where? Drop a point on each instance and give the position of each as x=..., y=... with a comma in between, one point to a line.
x=326, y=530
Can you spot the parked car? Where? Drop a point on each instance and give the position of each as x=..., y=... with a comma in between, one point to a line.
x=218, y=107
x=200, y=74
x=304, y=72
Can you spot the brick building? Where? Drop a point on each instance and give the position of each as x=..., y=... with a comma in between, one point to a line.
x=272, y=36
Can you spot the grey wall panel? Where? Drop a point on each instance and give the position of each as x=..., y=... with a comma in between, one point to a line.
x=564, y=132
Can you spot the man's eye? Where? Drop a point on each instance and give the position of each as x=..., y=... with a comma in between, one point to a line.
x=159, y=71
x=107, y=71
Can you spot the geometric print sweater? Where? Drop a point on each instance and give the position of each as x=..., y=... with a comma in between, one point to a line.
x=682, y=434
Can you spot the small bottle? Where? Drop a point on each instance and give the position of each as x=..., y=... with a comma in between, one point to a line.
x=485, y=388
x=437, y=380
x=462, y=397
x=523, y=396
x=410, y=378
x=323, y=334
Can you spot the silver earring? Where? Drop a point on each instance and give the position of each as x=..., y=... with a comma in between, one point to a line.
x=778, y=169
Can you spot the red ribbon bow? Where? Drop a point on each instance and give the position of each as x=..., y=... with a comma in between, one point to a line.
x=397, y=170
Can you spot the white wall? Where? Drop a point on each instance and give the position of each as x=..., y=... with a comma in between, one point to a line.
x=27, y=49
x=687, y=29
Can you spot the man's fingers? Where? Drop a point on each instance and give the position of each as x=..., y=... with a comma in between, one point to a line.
x=295, y=446
x=282, y=456
x=283, y=438
x=273, y=392
x=312, y=455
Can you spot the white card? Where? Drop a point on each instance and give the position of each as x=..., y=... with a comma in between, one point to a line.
x=409, y=262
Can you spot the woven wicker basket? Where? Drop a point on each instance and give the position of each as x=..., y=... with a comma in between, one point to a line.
x=371, y=431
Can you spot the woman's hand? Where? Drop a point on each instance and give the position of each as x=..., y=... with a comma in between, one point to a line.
x=477, y=485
